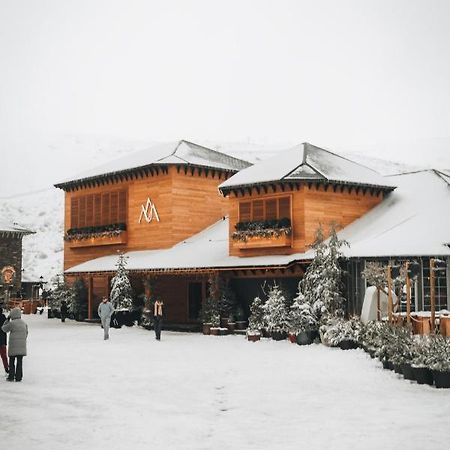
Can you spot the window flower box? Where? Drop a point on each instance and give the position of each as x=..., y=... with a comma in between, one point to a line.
x=283, y=240
x=98, y=240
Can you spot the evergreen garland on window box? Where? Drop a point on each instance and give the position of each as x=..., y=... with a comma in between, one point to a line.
x=262, y=229
x=77, y=234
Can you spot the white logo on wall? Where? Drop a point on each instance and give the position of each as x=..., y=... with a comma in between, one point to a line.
x=149, y=212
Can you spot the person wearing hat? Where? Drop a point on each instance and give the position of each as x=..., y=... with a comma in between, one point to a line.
x=105, y=310
x=3, y=342
x=17, y=348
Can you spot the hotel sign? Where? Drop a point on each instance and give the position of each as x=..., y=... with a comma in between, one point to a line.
x=8, y=275
x=149, y=212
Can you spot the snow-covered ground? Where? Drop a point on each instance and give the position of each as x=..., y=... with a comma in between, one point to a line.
x=190, y=391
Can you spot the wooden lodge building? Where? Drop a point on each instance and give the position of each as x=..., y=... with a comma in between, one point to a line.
x=182, y=213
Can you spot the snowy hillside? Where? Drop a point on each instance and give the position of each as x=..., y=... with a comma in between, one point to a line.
x=41, y=210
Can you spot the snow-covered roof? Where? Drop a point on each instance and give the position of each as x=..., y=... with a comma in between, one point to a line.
x=306, y=162
x=411, y=221
x=179, y=153
x=13, y=228
x=207, y=249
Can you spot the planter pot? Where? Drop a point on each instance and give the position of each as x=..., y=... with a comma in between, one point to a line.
x=231, y=327
x=292, y=337
x=50, y=314
x=304, y=338
x=224, y=322
x=207, y=328
x=278, y=335
x=397, y=368
x=253, y=337
x=348, y=345
x=372, y=352
x=390, y=365
x=407, y=371
x=241, y=325
x=223, y=331
x=214, y=331
x=423, y=375
x=441, y=379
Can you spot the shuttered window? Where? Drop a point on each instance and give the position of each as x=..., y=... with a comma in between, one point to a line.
x=98, y=209
x=265, y=209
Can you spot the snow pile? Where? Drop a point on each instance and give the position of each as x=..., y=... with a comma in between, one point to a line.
x=190, y=391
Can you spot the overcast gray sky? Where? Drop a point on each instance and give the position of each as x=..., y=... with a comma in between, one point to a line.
x=343, y=74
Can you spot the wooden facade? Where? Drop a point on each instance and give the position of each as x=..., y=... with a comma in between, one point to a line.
x=185, y=201
x=309, y=205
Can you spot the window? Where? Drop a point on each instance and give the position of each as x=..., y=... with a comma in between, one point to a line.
x=98, y=209
x=265, y=209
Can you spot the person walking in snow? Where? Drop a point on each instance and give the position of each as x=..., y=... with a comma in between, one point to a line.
x=63, y=310
x=3, y=342
x=17, y=348
x=158, y=317
x=105, y=310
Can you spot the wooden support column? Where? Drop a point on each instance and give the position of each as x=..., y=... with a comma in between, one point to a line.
x=90, y=296
x=432, y=296
x=389, y=280
x=408, y=295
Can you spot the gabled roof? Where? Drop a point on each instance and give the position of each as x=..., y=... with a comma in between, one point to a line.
x=411, y=221
x=306, y=162
x=10, y=228
x=182, y=153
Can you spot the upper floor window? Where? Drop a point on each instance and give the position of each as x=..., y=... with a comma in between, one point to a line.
x=98, y=209
x=275, y=208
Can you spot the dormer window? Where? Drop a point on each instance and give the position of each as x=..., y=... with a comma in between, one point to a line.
x=275, y=208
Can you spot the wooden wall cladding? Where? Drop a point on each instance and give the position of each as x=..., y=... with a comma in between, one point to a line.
x=311, y=206
x=186, y=203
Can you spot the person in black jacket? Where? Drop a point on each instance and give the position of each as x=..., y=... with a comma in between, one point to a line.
x=63, y=310
x=3, y=342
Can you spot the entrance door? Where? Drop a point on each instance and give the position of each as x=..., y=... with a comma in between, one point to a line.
x=195, y=300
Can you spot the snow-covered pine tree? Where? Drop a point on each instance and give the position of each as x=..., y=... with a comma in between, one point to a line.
x=256, y=320
x=322, y=283
x=301, y=316
x=333, y=299
x=275, y=313
x=121, y=292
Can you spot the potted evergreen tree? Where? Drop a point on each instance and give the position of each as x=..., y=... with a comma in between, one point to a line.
x=421, y=361
x=80, y=300
x=302, y=322
x=256, y=320
x=209, y=314
x=276, y=315
x=241, y=323
x=440, y=361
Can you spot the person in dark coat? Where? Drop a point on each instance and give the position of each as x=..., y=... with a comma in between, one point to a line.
x=63, y=310
x=158, y=318
x=3, y=342
x=17, y=348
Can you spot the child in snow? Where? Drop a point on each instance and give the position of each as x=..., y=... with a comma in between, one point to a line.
x=158, y=317
x=17, y=349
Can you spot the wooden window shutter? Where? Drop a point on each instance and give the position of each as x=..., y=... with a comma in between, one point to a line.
x=284, y=207
x=271, y=209
x=82, y=216
x=105, y=209
x=89, y=210
x=74, y=211
x=245, y=209
x=97, y=209
x=114, y=206
x=122, y=218
x=258, y=210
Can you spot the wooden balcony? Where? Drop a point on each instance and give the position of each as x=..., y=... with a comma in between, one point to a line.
x=97, y=241
x=283, y=240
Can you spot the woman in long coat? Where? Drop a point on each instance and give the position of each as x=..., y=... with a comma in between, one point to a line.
x=17, y=348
